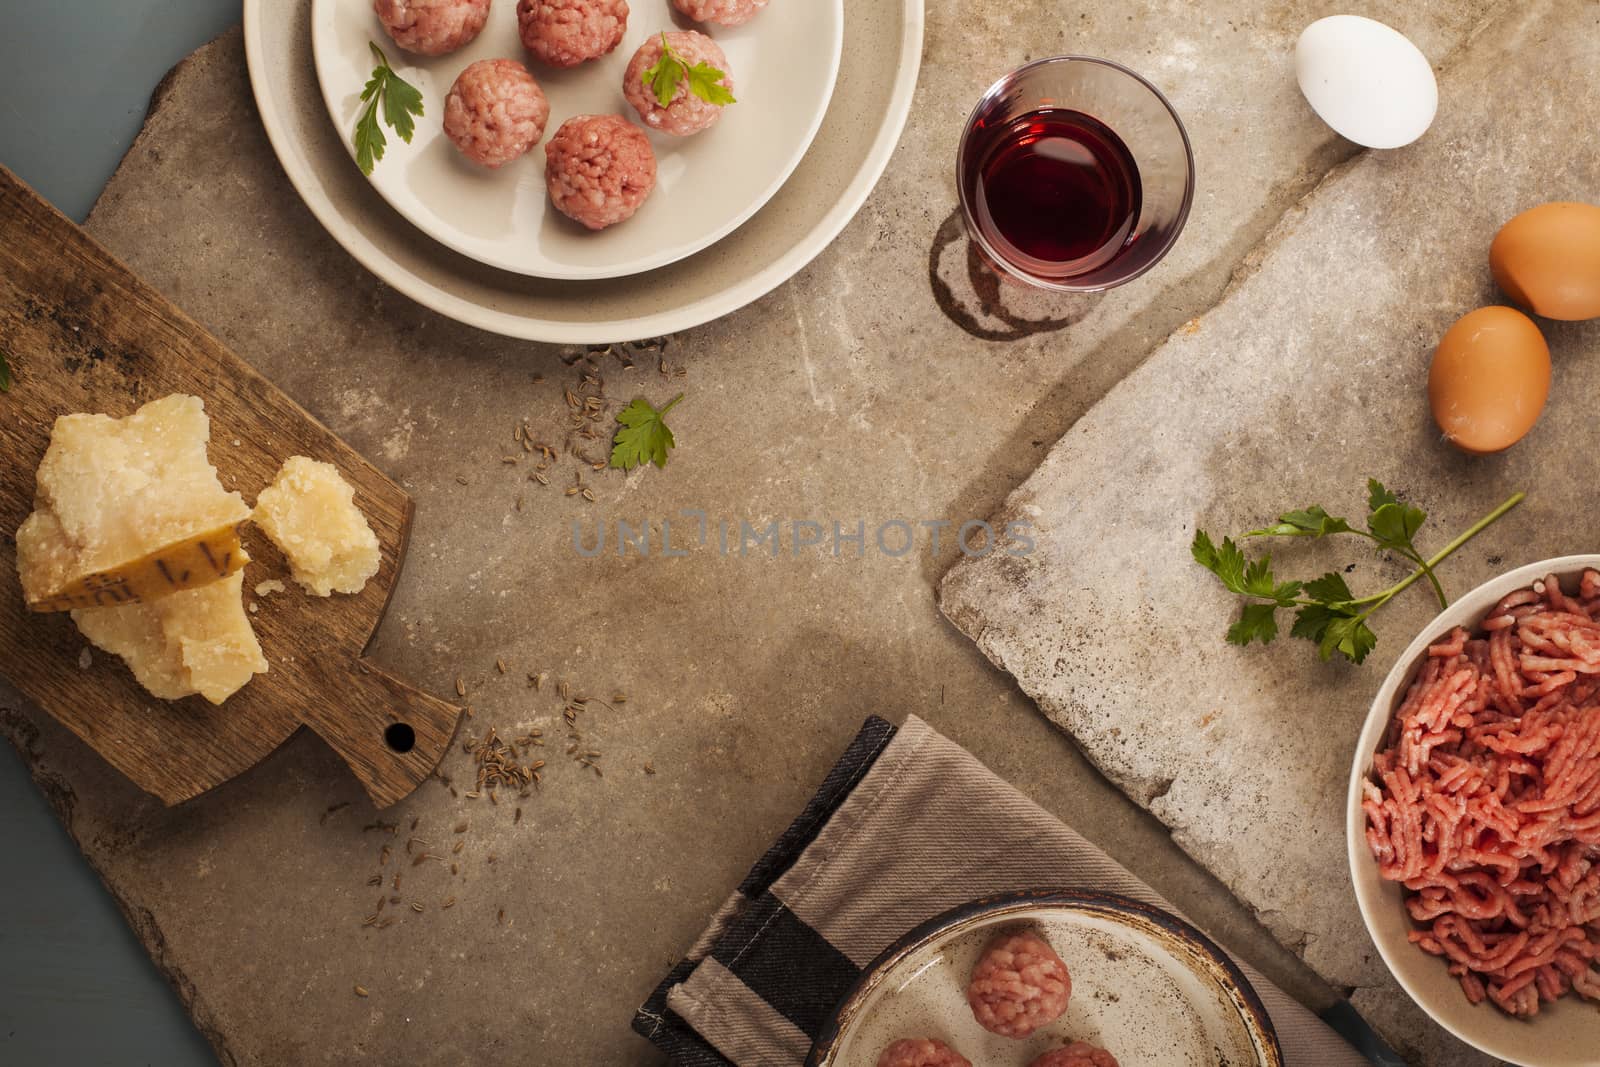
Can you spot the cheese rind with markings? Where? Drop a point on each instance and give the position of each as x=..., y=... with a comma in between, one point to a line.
x=197, y=641
x=128, y=510
x=309, y=512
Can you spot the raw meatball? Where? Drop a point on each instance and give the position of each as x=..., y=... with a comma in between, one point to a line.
x=564, y=33
x=1018, y=985
x=495, y=112
x=432, y=27
x=722, y=12
x=687, y=113
x=599, y=169
x=921, y=1052
x=1077, y=1054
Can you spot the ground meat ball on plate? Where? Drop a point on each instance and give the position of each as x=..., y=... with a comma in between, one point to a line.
x=495, y=111
x=432, y=27
x=687, y=113
x=921, y=1052
x=1077, y=1054
x=722, y=12
x=564, y=33
x=1018, y=985
x=599, y=169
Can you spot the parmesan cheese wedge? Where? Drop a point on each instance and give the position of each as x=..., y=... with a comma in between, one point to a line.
x=194, y=641
x=309, y=512
x=127, y=511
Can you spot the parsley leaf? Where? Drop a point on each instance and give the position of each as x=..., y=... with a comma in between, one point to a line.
x=1309, y=522
x=1253, y=579
x=1350, y=636
x=1257, y=622
x=5, y=373
x=705, y=81
x=1331, y=588
x=644, y=437
x=393, y=99
x=1326, y=612
x=668, y=72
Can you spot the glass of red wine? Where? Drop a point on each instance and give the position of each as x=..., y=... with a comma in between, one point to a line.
x=1075, y=174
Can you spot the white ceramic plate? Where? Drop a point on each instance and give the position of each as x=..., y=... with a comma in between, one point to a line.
x=1563, y=1034
x=1146, y=986
x=877, y=79
x=784, y=64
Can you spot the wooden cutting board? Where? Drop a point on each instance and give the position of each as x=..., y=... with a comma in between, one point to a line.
x=84, y=334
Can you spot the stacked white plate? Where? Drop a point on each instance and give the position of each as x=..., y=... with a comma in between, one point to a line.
x=737, y=210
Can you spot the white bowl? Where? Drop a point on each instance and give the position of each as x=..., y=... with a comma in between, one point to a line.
x=1564, y=1034
x=784, y=64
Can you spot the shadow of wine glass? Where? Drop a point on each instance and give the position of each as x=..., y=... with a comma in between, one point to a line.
x=985, y=305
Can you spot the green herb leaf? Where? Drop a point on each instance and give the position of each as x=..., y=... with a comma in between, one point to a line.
x=668, y=72
x=1331, y=588
x=1246, y=579
x=705, y=81
x=664, y=76
x=1350, y=636
x=1309, y=522
x=644, y=437
x=1312, y=621
x=5, y=373
x=1395, y=524
x=1378, y=496
x=391, y=98
x=1257, y=622
x=401, y=100
x=1327, y=613
x=369, y=140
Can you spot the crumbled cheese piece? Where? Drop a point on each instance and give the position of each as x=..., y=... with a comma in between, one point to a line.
x=309, y=512
x=128, y=510
x=85, y=658
x=270, y=586
x=197, y=641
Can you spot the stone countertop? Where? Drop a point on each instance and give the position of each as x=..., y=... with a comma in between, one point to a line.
x=890, y=380
x=1308, y=378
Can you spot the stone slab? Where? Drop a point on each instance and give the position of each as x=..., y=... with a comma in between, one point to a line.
x=1308, y=378
x=888, y=380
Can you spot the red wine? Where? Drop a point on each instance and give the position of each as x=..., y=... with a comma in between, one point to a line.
x=1055, y=192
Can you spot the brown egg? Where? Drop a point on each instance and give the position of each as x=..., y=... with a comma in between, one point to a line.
x=1548, y=260
x=1489, y=379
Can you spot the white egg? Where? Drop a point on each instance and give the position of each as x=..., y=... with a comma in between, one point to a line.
x=1366, y=80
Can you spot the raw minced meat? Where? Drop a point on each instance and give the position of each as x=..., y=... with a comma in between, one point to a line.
x=686, y=113
x=1077, y=1054
x=495, y=112
x=565, y=33
x=722, y=12
x=432, y=27
x=921, y=1052
x=1018, y=985
x=599, y=169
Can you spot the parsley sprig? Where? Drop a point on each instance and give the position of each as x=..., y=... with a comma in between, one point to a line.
x=1326, y=611
x=705, y=81
x=644, y=437
x=394, y=99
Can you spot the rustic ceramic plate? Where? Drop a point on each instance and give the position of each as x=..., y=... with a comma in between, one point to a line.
x=872, y=98
x=1564, y=1034
x=1146, y=986
x=784, y=63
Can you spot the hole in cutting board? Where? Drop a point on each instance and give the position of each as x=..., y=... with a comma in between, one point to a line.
x=400, y=737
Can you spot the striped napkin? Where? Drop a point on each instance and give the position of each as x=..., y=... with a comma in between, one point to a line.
x=906, y=825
